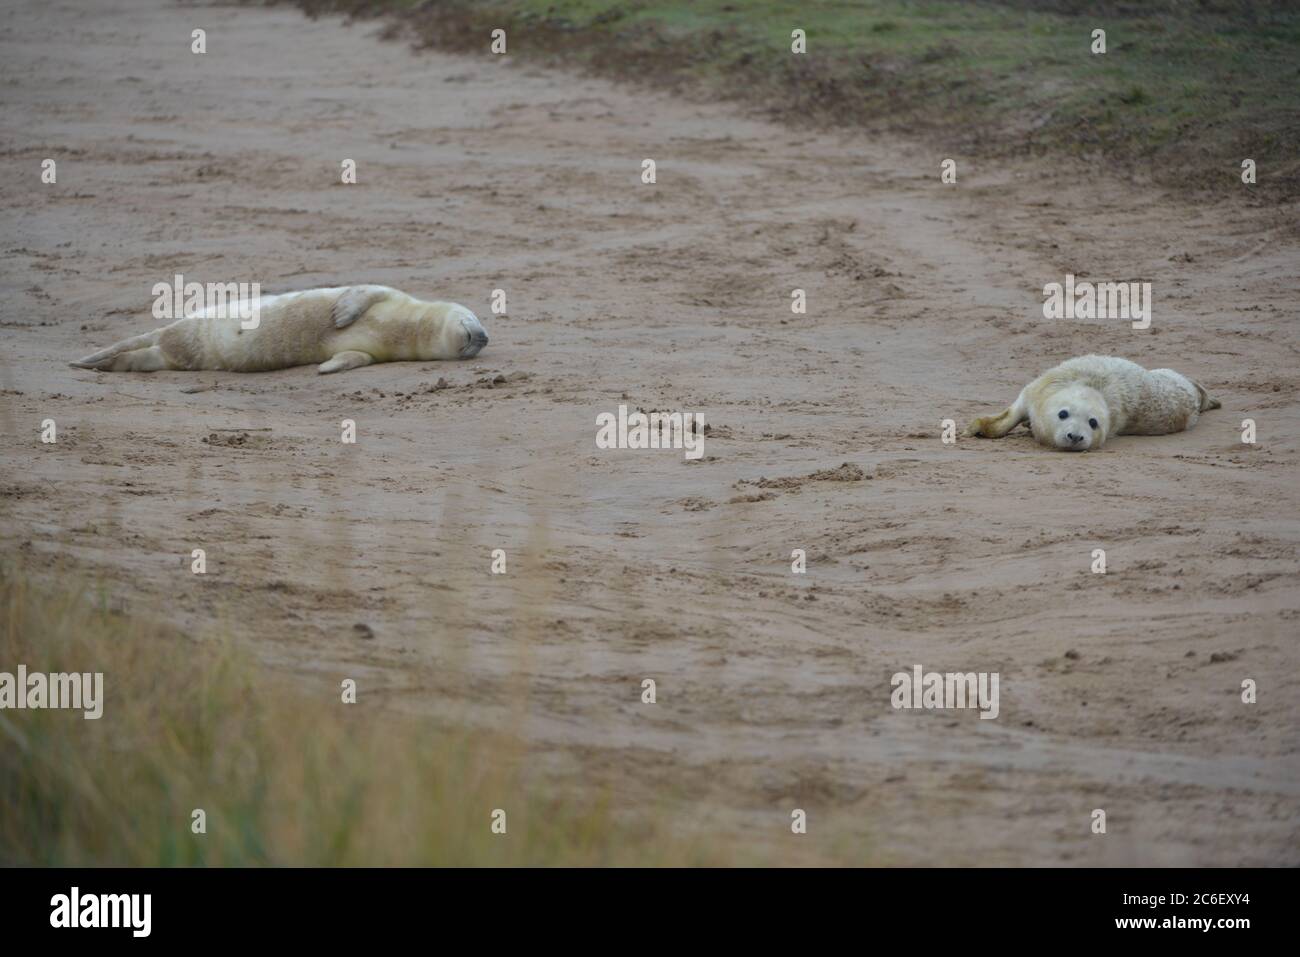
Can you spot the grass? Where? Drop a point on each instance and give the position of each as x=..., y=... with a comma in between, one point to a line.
x=286, y=776
x=1185, y=91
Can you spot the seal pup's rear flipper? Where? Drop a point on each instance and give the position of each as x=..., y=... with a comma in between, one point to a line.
x=103, y=359
x=1206, y=402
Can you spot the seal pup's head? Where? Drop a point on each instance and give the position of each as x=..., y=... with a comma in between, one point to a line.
x=1073, y=417
x=476, y=336
x=450, y=331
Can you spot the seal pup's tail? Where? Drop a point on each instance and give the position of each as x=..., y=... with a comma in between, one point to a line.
x=115, y=358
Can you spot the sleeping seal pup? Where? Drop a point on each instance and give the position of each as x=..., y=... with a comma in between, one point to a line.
x=340, y=328
x=1084, y=401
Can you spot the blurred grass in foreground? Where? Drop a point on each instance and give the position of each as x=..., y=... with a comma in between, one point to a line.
x=285, y=777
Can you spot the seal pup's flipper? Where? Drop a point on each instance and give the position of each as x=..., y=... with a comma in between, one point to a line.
x=996, y=426
x=1206, y=402
x=103, y=359
x=352, y=304
x=343, y=361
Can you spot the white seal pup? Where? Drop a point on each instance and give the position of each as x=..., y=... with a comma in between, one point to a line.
x=341, y=328
x=1084, y=401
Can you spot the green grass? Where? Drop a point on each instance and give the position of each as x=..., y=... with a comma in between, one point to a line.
x=1186, y=90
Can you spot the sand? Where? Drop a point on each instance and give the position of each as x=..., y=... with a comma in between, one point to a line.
x=1119, y=691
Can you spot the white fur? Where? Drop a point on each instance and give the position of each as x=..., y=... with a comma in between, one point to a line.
x=341, y=327
x=1100, y=396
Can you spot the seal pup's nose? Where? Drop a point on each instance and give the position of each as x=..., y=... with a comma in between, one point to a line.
x=1076, y=439
x=477, y=340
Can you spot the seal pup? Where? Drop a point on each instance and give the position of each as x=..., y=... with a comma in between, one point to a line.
x=1082, y=402
x=340, y=328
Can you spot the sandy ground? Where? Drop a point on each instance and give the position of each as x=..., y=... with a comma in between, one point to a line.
x=1118, y=691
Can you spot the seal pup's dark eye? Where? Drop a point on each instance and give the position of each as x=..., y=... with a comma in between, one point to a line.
x=1063, y=415
x=1092, y=423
